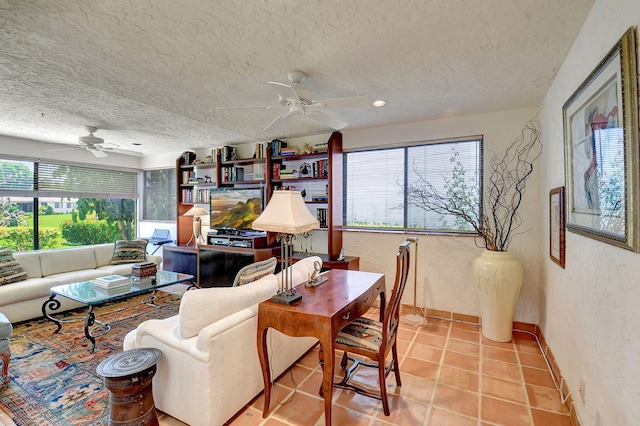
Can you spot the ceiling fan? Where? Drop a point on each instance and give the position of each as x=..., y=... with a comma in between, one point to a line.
x=96, y=145
x=298, y=100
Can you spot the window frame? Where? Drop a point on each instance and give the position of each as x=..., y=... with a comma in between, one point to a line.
x=405, y=147
x=173, y=206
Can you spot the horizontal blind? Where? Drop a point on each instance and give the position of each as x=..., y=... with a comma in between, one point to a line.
x=377, y=183
x=76, y=181
x=16, y=178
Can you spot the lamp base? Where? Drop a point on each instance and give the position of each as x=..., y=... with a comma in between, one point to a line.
x=286, y=299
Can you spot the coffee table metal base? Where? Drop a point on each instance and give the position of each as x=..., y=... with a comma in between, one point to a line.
x=89, y=321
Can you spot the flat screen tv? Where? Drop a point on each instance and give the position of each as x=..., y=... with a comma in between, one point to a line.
x=235, y=209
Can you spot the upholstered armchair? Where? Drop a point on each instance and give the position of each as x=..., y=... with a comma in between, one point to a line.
x=5, y=349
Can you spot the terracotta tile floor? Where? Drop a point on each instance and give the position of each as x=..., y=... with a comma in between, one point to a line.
x=451, y=375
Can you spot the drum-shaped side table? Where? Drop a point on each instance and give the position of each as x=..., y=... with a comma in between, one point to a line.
x=128, y=376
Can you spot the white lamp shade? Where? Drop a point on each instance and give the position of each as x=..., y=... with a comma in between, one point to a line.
x=195, y=211
x=286, y=213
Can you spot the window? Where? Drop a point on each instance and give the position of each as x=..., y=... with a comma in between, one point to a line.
x=379, y=182
x=46, y=205
x=159, y=195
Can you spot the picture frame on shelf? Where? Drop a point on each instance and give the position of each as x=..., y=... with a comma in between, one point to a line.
x=557, y=226
x=601, y=150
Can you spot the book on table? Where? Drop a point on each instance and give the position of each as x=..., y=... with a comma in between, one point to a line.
x=112, y=282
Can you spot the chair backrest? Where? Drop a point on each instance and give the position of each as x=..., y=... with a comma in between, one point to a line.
x=392, y=311
x=255, y=271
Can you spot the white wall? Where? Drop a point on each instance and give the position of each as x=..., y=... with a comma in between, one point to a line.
x=589, y=310
x=444, y=263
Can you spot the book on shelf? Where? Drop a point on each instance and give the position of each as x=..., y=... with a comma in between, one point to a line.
x=276, y=147
x=229, y=153
x=321, y=215
x=259, y=152
x=288, y=151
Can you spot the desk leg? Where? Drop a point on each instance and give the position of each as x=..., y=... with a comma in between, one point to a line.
x=263, y=354
x=328, y=364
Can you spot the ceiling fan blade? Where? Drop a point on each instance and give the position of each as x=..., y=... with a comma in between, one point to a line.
x=326, y=119
x=278, y=122
x=284, y=90
x=355, y=102
x=126, y=152
x=61, y=149
x=252, y=107
x=97, y=152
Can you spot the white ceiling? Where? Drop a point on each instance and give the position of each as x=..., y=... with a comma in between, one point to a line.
x=154, y=71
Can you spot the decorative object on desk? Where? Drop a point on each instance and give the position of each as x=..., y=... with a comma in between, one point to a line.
x=495, y=223
x=196, y=237
x=413, y=318
x=601, y=150
x=315, y=280
x=286, y=214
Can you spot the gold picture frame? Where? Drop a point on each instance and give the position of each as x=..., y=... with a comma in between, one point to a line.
x=557, y=226
x=601, y=150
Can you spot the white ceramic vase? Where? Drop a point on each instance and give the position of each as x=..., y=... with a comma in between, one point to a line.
x=499, y=277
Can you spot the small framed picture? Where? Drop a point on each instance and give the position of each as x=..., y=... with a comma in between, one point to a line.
x=557, y=225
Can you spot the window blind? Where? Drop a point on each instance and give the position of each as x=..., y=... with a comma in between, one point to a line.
x=61, y=180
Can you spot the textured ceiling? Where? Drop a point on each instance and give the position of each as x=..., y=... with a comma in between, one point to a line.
x=154, y=71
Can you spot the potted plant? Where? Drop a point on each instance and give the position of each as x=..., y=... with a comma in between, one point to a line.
x=495, y=220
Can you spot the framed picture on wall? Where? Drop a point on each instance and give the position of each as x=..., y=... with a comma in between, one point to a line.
x=601, y=150
x=557, y=225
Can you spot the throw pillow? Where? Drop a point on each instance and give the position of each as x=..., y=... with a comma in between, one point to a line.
x=129, y=251
x=255, y=271
x=10, y=269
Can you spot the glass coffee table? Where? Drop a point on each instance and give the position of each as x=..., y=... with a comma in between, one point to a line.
x=85, y=292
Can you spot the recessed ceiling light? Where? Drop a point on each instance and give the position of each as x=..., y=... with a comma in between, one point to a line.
x=379, y=103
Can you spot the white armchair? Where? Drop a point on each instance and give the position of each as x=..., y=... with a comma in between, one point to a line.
x=209, y=368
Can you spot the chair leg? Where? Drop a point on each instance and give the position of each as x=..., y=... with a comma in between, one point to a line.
x=396, y=366
x=5, y=356
x=382, y=375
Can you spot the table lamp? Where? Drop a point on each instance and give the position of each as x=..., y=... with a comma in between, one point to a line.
x=196, y=212
x=287, y=214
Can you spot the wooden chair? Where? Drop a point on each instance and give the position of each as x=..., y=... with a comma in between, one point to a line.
x=376, y=339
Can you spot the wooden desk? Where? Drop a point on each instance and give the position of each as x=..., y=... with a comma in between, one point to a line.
x=321, y=313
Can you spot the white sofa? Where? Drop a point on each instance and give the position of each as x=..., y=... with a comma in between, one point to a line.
x=23, y=300
x=209, y=369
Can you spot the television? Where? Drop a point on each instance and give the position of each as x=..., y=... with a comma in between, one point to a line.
x=233, y=210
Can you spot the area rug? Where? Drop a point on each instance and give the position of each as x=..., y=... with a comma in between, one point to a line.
x=53, y=376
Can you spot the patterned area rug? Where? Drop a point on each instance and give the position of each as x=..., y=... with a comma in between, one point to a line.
x=53, y=376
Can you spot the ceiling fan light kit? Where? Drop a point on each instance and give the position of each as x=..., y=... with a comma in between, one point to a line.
x=299, y=101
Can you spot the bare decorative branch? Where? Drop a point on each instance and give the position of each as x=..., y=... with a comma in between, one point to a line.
x=498, y=219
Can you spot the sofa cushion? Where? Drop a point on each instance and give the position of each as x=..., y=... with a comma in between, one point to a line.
x=129, y=251
x=30, y=261
x=10, y=269
x=33, y=288
x=255, y=271
x=103, y=253
x=56, y=261
x=199, y=308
